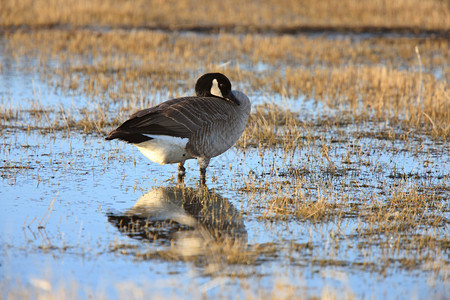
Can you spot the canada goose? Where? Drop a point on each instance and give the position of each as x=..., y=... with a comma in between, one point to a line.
x=201, y=127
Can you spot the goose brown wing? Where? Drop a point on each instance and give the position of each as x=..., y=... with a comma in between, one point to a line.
x=178, y=117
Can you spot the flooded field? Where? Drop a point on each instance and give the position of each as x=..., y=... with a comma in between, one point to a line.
x=338, y=188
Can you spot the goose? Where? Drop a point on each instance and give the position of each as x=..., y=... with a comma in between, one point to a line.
x=195, y=127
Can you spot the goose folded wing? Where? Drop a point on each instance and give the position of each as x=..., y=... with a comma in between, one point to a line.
x=178, y=117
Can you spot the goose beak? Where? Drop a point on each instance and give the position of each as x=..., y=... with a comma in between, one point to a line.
x=231, y=97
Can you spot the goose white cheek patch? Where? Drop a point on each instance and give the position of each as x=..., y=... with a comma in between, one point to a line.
x=215, y=90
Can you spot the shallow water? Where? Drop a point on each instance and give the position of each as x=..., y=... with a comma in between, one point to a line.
x=76, y=209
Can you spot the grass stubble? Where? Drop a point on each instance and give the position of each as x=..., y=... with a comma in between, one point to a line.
x=382, y=93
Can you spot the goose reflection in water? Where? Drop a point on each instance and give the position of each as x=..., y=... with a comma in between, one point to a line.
x=188, y=219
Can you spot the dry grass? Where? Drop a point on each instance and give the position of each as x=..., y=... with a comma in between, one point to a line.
x=415, y=100
x=127, y=68
x=251, y=15
x=270, y=125
x=405, y=211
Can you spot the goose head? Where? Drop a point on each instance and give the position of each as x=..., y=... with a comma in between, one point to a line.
x=215, y=85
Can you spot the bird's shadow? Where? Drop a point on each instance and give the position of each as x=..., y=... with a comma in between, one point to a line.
x=188, y=218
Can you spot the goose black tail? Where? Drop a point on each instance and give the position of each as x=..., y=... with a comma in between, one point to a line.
x=129, y=137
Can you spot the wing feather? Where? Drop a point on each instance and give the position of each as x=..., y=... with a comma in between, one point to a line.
x=179, y=117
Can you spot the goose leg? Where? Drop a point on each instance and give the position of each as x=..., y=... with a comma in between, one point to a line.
x=181, y=172
x=203, y=163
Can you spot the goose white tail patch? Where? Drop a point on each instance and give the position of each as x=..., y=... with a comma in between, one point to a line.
x=164, y=149
x=215, y=90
